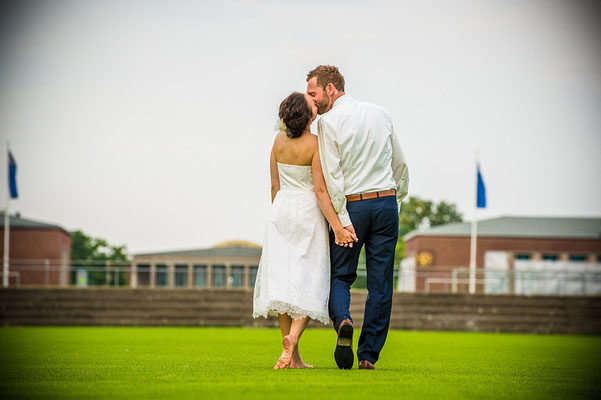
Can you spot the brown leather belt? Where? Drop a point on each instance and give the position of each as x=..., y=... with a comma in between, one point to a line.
x=372, y=195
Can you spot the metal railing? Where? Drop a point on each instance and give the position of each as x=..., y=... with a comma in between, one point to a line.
x=94, y=273
x=556, y=281
x=50, y=272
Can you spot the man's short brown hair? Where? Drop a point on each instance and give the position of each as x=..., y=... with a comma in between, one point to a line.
x=327, y=74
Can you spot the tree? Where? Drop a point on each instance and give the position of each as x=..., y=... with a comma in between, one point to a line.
x=445, y=213
x=86, y=251
x=417, y=213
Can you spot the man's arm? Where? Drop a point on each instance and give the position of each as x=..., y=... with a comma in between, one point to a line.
x=332, y=172
x=400, y=173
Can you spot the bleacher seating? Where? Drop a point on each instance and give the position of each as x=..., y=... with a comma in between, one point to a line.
x=213, y=307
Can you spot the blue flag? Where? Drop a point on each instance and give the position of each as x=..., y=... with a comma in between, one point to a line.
x=12, y=176
x=481, y=198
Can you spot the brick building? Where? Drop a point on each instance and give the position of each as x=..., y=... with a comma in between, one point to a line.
x=513, y=255
x=40, y=253
x=231, y=264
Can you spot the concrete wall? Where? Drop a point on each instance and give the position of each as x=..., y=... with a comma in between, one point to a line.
x=181, y=307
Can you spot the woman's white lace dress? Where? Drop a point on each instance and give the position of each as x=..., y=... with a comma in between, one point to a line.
x=294, y=272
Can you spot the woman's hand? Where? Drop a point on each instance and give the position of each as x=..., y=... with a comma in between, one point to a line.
x=345, y=237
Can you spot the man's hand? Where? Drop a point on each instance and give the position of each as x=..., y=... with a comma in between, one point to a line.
x=351, y=230
x=343, y=238
x=346, y=236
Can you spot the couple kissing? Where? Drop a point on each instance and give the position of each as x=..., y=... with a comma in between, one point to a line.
x=332, y=193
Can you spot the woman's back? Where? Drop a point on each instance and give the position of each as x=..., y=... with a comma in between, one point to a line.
x=294, y=272
x=295, y=151
x=293, y=157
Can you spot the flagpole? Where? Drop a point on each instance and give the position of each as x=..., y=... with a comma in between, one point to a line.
x=6, y=245
x=473, y=254
x=6, y=226
x=472, y=280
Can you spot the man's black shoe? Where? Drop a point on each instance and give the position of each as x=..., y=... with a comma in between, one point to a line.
x=344, y=346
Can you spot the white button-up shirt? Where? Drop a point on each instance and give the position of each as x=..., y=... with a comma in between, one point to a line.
x=360, y=153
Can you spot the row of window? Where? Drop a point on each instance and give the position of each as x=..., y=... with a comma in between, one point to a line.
x=199, y=275
x=555, y=257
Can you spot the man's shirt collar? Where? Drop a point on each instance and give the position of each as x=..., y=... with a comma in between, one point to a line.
x=341, y=100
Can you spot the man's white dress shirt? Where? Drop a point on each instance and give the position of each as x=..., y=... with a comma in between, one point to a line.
x=360, y=153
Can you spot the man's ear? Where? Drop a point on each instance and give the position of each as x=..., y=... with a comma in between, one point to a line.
x=330, y=89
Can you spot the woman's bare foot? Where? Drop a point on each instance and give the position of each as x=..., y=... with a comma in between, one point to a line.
x=300, y=364
x=286, y=357
x=297, y=361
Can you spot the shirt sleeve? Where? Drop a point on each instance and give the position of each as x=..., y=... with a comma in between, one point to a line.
x=400, y=172
x=332, y=172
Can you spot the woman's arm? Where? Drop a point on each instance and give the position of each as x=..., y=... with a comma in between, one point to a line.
x=275, y=178
x=343, y=236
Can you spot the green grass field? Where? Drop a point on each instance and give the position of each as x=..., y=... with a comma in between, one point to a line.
x=223, y=363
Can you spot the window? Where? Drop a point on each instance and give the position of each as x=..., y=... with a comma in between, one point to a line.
x=252, y=275
x=237, y=275
x=200, y=275
x=522, y=256
x=181, y=275
x=578, y=257
x=143, y=274
x=161, y=275
x=550, y=257
x=219, y=276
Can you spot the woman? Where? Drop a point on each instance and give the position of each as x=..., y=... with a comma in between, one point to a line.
x=294, y=273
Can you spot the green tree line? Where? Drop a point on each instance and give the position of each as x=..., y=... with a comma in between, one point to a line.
x=417, y=213
x=88, y=253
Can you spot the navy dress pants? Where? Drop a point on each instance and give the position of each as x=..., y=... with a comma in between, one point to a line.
x=376, y=224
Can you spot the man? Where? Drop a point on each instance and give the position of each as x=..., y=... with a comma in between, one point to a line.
x=366, y=176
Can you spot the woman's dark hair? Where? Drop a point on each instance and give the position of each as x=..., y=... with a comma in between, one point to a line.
x=296, y=114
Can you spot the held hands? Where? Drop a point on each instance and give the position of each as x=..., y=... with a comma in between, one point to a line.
x=346, y=236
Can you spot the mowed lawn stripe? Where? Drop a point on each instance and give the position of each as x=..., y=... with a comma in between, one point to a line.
x=223, y=363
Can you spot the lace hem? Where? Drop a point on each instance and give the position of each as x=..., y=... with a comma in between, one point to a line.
x=293, y=311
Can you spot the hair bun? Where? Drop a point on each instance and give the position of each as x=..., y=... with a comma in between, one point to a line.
x=296, y=114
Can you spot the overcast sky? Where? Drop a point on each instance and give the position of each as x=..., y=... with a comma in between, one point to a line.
x=149, y=123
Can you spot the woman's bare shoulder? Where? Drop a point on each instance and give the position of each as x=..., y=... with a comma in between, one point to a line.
x=278, y=138
x=312, y=138
x=314, y=141
x=312, y=144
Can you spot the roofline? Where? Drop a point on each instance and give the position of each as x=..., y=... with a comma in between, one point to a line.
x=416, y=233
x=43, y=225
x=409, y=236
x=167, y=252
x=545, y=216
x=38, y=228
x=179, y=252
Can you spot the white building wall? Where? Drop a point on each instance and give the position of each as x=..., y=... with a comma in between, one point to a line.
x=496, y=276
x=557, y=277
x=540, y=277
x=406, y=282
